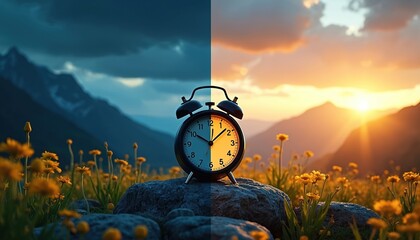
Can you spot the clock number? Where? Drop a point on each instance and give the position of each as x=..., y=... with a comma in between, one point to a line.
x=232, y=142
x=228, y=153
x=228, y=132
x=210, y=165
x=200, y=126
x=193, y=134
x=221, y=161
x=201, y=161
x=192, y=154
x=220, y=124
x=189, y=143
x=210, y=123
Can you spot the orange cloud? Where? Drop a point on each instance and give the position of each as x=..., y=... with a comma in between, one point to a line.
x=261, y=26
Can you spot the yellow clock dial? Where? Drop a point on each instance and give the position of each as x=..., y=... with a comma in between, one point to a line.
x=211, y=142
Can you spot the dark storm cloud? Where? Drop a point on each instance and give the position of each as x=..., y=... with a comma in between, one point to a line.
x=96, y=28
x=163, y=38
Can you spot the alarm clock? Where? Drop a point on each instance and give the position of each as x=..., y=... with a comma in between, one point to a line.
x=209, y=144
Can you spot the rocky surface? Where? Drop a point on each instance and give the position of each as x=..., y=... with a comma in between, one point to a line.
x=343, y=214
x=215, y=228
x=99, y=223
x=249, y=200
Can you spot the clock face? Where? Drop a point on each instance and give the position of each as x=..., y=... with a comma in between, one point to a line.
x=212, y=142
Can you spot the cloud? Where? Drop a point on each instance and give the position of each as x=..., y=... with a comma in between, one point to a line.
x=387, y=15
x=261, y=26
x=376, y=61
x=98, y=28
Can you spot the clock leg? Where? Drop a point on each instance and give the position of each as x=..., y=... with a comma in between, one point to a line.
x=189, y=177
x=232, y=178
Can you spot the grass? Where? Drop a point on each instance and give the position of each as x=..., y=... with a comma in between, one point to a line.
x=34, y=191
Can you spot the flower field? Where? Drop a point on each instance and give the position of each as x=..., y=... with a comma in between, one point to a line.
x=35, y=191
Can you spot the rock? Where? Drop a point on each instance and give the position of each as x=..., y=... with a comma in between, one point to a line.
x=215, y=228
x=80, y=205
x=343, y=215
x=99, y=223
x=179, y=212
x=250, y=200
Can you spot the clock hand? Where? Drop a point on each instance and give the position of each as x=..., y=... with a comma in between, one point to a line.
x=202, y=138
x=218, y=135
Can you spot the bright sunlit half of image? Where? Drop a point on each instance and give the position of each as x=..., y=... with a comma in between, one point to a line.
x=362, y=105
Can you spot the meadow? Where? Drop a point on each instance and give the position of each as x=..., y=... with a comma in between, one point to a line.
x=35, y=191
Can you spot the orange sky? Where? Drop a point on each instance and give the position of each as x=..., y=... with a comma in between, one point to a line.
x=280, y=57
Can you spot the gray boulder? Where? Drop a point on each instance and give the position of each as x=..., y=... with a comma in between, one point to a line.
x=215, y=228
x=343, y=214
x=249, y=200
x=99, y=223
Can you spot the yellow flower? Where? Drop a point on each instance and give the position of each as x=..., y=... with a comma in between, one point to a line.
x=91, y=163
x=375, y=179
x=52, y=165
x=318, y=176
x=109, y=153
x=69, y=141
x=135, y=145
x=276, y=148
x=342, y=180
x=257, y=157
x=121, y=162
x=49, y=155
x=140, y=232
x=95, y=152
x=174, y=170
x=304, y=178
x=83, y=227
x=308, y=154
x=411, y=228
x=337, y=168
x=393, y=179
x=313, y=196
x=83, y=170
x=387, y=208
x=110, y=206
x=27, y=128
x=282, y=137
x=410, y=218
x=44, y=187
x=141, y=159
x=377, y=223
x=15, y=149
x=259, y=235
x=10, y=170
x=114, y=178
x=37, y=166
x=303, y=238
x=81, y=152
x=393, y=235
x=69, y=214
x=64, y=180
x=411, y=176
x=353, y=165
x=112, y=234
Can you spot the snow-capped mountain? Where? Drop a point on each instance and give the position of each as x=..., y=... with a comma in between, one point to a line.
x=62, y=94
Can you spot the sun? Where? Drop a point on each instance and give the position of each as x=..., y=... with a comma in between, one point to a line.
x=362, y=105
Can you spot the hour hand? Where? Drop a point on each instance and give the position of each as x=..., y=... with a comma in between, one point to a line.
x=202, y=138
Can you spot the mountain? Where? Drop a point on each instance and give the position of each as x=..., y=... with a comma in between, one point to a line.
x=395, y=137
x=252, y=127
x=50, y=130
x=321, y=130
x=60, y=93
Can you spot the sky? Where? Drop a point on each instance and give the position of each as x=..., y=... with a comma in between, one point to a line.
x=279, y=57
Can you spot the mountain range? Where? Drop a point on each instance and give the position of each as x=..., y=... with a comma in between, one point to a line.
x=321, y=129
x=60, y=95
x=381, y=144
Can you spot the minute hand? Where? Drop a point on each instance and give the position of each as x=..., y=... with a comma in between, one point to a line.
x=218, y=135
